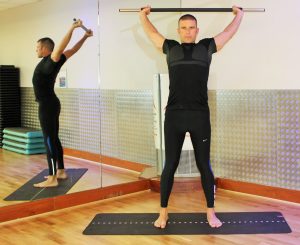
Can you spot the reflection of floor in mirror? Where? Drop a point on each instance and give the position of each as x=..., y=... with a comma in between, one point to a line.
x=16, y=169
x=66, y=226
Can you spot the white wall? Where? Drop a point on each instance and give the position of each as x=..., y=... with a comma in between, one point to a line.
x=21, y=27
x=263, y=55
x=128, y=60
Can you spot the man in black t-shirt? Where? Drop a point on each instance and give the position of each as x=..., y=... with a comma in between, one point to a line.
x=187, y=108
x=49, y=105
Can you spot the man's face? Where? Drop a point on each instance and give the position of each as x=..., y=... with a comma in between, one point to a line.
x=187, y=30
x=39, y=50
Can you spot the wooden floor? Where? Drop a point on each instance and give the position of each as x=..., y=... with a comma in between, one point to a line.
x=17, y=169
x=66, y=226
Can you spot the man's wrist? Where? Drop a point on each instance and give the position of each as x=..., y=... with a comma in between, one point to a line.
x=143, y=14
x=240, y=14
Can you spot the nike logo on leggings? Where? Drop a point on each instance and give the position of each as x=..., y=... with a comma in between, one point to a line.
x=204, y=140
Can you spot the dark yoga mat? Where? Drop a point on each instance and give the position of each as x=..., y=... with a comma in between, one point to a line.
x=29, y=192
x=188, y=224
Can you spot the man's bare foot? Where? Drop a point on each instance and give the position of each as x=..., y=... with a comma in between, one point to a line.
x=162, y=220
x=61, y=174
x=50, y=182
x=212, y=218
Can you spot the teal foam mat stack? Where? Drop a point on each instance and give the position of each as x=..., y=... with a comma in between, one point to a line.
x=23, y=140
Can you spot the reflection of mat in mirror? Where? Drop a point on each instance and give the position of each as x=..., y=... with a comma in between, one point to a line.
x=29, y=192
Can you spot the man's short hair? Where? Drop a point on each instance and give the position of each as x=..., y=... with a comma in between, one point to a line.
x=47, y=42
x=187, y=17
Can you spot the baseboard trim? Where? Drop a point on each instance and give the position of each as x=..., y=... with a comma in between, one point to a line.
x=193, y=184
x=22, y=210
x=26, y=209
x=259, y=190
x=138, y=167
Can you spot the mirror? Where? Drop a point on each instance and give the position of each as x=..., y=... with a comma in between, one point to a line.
x=106, y=121
x=77, y=88
x=128, y=63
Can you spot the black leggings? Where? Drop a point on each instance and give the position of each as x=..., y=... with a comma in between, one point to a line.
x=49, y=111
x=177, y=123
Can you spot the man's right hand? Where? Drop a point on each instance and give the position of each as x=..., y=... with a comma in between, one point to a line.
x=77, y=23
x=145, y=10
x=237, y=10
x=150, y=29
x=89, y=33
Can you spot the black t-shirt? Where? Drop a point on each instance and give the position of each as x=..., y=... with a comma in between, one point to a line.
x=188, y=65
x=44, y=77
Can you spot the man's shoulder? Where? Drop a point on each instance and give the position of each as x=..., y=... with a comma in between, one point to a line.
x=206, y=40
x=168, y=44
x=171, y=42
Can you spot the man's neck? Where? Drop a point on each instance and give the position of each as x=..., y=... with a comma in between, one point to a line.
x=46, y=54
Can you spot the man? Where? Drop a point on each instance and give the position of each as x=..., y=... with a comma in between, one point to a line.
x=187, y=109
x=49, y=105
